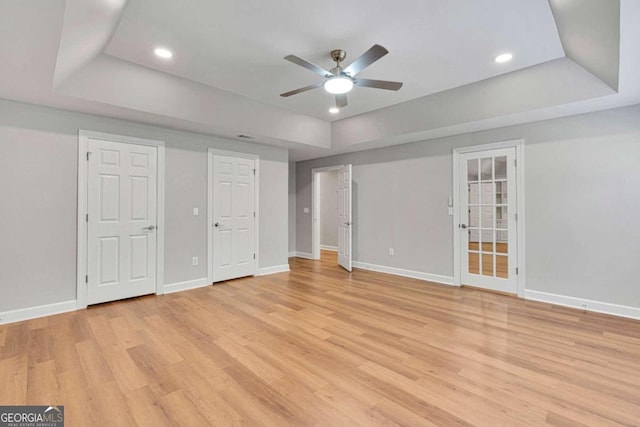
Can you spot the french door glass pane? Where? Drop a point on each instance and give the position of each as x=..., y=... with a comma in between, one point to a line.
x=501, y=217
x=472, y=170
x=474, y=263
x=502, y=267
x=474, y=193
x=486, y=169
x=501, y=167
x=474, y=216
x=487, y=264
x=487, y=217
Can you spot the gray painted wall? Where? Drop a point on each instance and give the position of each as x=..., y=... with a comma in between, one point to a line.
x=329, y=208
x=582, y=190
x=292, y=207
x=38, y=199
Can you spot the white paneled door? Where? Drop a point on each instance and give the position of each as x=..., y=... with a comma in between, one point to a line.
x=122, y=213
x=234, y=217
x=488, y=229
x=345, y=221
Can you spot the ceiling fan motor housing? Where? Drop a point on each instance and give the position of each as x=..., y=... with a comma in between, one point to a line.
x=338, y=55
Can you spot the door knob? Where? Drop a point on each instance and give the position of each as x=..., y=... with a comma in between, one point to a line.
x=217, y=224
x=463, y=225
x=150, y=228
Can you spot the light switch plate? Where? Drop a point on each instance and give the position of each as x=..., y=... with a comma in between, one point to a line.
x=196, y=211
x=451, y=211
x=306, y=210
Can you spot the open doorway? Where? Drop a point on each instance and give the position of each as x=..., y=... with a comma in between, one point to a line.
x=331, y=232
x=328, y=215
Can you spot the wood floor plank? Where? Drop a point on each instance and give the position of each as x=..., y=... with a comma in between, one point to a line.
x=320, y=346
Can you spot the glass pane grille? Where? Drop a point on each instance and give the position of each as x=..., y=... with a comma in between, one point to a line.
x=488, y=217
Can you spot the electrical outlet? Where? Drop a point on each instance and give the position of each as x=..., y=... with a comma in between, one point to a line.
x=194, y=260
x=392, y=252
x=450, y=211
x=196, y=211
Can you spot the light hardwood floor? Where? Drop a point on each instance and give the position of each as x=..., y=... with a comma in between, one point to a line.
x=320, y=346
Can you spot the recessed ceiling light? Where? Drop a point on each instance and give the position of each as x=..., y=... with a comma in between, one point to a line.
x=163, y=53
x=505, y=57
x=334, y=110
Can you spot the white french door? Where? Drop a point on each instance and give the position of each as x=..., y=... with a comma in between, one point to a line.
x=488, y=228
x=122, y=204
x=345, y=221
x=234, y=217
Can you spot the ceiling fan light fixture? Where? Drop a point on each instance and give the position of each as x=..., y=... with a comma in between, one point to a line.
x=338, y=85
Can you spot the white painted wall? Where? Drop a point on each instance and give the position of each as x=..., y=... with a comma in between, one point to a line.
x=38, y=188
x=582, y=204
x=328, y=208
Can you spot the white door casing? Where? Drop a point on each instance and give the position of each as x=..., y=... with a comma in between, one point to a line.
x=345, y=221
x=487, y=219
x=122, y=208
x=233, y=217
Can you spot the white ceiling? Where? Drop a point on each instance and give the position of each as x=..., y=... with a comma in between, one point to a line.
x=94, y=56
x=239, y=46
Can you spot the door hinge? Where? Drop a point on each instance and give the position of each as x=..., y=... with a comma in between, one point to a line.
x=88, y=155
x=254, y=214
x=516, y=271
x=515, y=162
x=516, y=216
x=87, y=217
x=86, y=279
x=254, y=256
x=254, y=171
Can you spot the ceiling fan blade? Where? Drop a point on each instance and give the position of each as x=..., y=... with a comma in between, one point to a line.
x=341, y=101
x=308, y=65
x=378, y=84
x=302, y=89
x=369, y=57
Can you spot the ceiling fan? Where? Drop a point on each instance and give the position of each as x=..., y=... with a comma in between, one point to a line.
x=340, y=80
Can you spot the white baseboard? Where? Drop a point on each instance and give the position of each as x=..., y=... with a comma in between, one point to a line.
x=329, y=248
x=183, y=286
x=292, y=254
x=584, y=304
x=436, y=278
x=37, y=311
x=304, y=255
x=273, y=270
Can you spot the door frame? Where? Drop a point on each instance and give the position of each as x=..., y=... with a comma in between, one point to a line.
x=83, y=208
x=518, y=144
x=315, y=208
x=213, y=152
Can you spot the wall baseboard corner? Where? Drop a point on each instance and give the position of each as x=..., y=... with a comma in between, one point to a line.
x=304, y=255
x=435, y=278
x=329, y=248
x=584, y=304
x=292, y=254
x=29, y=313
x=183, y=286
x=273, y=270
